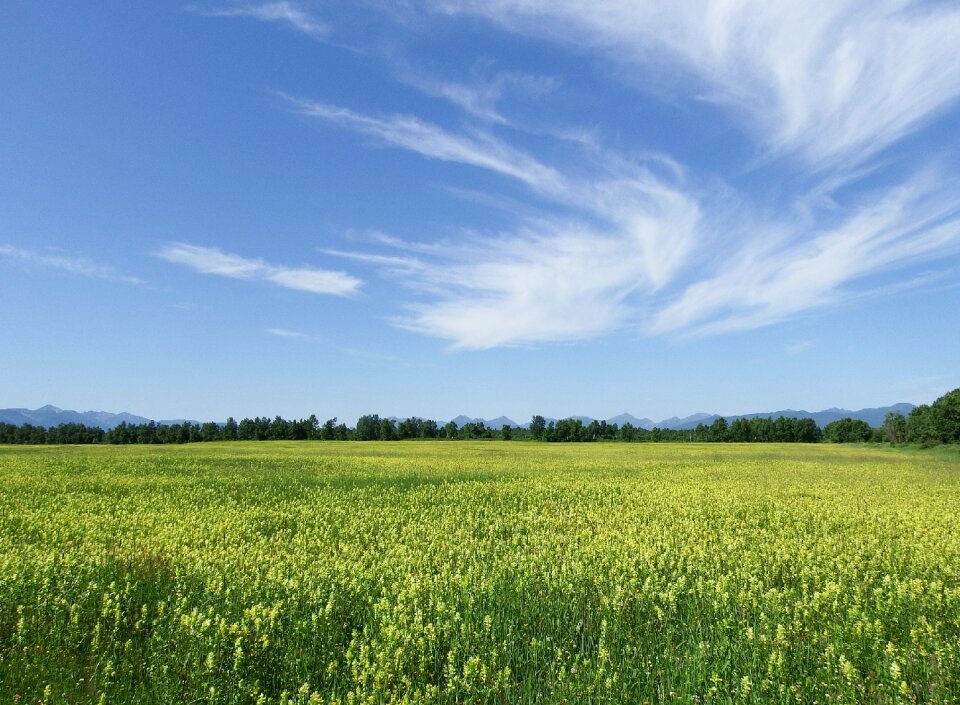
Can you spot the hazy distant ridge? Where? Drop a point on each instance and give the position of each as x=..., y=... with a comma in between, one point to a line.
x=52, y=416
x=48, y=416
x=874, y=417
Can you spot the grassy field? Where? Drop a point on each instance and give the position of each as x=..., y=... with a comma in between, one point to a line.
x=479, y=573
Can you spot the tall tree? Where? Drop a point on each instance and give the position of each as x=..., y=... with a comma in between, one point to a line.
x=368, y=428
x=538, y=425
x=947, y=413
x=895, y=427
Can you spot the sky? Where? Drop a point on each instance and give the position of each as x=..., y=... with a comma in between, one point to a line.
x=518, y=207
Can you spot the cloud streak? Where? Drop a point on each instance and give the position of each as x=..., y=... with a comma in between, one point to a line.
x=557, y=279
x=829, y=80
x=211, y=260
x=481, y=150
x=283, y=12
x=284, y=333
x=479, y=98
x=557, y=284
x=639, y=243
x=767, y=283
x=81, y=266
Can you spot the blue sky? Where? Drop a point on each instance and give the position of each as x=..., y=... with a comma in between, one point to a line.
x=433, y=208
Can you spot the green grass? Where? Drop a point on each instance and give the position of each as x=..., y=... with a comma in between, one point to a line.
x=479, y=573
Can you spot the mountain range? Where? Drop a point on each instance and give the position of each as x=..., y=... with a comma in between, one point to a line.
x=53, y=416
x=873, y=416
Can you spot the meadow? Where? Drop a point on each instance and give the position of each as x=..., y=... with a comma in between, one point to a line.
x=484, y=572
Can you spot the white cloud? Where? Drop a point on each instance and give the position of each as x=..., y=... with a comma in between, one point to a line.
x=211, y=260
x=638, y=244
x=283, y=12
x=528, y=289
x=397, y=264
x=480, y=97
x=557, y=280
x=479, y=100
x=67, y=263
x=764, y=283
x=554, y=280
x=481, y=150
x=564, y=280
x=798, y=347
x=284, y=333
x=831, y=80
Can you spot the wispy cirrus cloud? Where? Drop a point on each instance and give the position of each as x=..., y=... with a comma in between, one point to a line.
x=82, y=266
x=432, y=141
x=826, y=85
x=768, y=281
x=285, y=333
x=829, y=80
x=798, y=347
x=554, y=279
x=550, y=282
x=283, y=12
x=212, y=260
x=480, y=96
x=403, y=264
x=633, y=260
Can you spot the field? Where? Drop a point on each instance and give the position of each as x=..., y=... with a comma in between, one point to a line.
x=479, y=573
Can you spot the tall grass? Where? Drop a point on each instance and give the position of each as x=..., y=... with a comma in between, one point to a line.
x=478, y=573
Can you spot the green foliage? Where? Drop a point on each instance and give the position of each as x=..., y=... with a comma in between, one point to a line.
x=368, y=428
x=923, y=426
x=895, y=428
x=927, y=425
x=538, y=428
x=847, y=431
x=947, y=410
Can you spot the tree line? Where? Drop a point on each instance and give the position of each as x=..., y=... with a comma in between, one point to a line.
x=928, y=424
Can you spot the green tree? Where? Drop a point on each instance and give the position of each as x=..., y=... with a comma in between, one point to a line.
x=538, y=426
x=368, y=428
x=895, y=427
x=807, y=431
x=409, y=428
x=262, y=428
x=388, y=430
x=475, y=429
x=922, y=426
x=246, y=430
x=741, y=431
x=847, y=430
x=947, y=416
x=719, y=430
x=328, y=431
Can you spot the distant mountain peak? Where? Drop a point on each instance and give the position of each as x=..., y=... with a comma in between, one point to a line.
x=499, y=422
x=462, y=420
x=51, y=415
x=624, y=418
